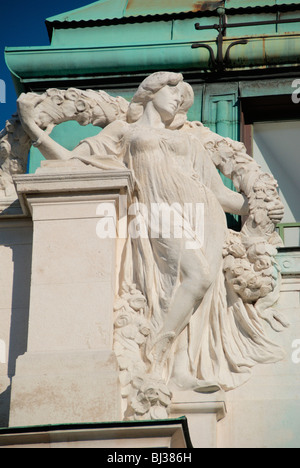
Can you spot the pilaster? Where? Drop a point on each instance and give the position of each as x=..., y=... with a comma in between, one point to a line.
x=69, y=373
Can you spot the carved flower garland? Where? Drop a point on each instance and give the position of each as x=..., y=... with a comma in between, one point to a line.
x=145, y=396
x=249, y=256
x=53, y=107
x=14, y=148
x=250, y=267
x=86, y=107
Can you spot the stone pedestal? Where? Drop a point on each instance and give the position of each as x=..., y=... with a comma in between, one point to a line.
x=203, y=411
x=69, y=373
x=156, y=435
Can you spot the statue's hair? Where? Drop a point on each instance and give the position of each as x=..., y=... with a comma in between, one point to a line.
x=147, y=89
x=153, y=83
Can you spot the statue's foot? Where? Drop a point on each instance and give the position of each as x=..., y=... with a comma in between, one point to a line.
x=188, y=382
x=207, y=387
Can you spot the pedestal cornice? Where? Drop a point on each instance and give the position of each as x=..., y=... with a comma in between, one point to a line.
x=29, y=186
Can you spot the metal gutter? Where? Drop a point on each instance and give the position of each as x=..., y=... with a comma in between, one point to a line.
x=49, y=62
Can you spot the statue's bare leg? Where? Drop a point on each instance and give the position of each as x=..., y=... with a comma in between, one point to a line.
x=196, y=279
x=198, y=270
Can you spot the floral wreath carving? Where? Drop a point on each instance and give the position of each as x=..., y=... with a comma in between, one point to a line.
x=52, y=108
x=249, y=256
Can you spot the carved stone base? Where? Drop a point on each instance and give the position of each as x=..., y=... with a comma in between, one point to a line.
x=202, y=412
x=59, y=388
x=171, y=434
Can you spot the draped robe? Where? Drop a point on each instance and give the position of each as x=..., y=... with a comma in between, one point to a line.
x=172, y=169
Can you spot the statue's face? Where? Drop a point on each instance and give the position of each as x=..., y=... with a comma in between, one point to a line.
x=167, y=102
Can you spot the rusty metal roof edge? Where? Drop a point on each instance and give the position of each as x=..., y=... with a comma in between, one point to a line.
x=175, y=15
x=132, y=19
x=124, y=20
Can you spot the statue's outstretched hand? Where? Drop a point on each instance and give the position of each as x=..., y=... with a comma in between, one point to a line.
x=276, y=211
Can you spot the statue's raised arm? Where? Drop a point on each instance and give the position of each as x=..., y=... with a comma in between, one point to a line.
x=38, y=114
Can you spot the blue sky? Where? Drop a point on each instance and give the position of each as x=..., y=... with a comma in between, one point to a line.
x=22, y=23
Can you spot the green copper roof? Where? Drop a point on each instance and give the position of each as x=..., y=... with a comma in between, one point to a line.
x=114, y=9
x=87, y=45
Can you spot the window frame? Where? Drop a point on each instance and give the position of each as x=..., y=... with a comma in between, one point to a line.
x=272, y=108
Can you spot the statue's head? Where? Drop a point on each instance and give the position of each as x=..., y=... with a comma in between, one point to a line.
x=153, y=89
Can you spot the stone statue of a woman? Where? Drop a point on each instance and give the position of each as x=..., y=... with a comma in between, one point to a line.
x=205, y=330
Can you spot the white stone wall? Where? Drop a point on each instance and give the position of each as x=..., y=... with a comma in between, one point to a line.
x=265, y=412
x=15, y=272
